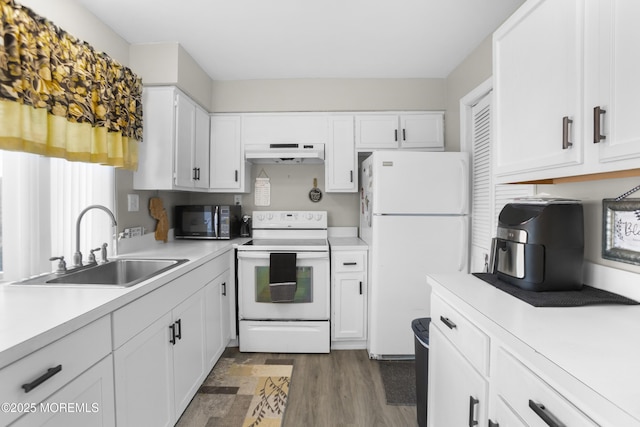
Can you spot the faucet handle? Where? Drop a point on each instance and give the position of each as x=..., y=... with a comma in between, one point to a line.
x=92, y=257
x=104, y=253
x=62, y=265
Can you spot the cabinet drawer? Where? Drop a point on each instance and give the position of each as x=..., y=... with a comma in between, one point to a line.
x=348, y=261
x=531, y=398
x=53, y=366
x=470, y=341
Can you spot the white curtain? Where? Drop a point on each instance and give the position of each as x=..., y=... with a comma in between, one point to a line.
x=41, y=200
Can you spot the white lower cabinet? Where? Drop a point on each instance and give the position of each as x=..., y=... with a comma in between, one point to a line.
x=460, y=392
x=144, y=378
x=217, y=316
x=531, y=398
x=87, y=401
x=348, y=299
x=50, y=372
x=482, y=374
x=165, y=344
x=160, y=369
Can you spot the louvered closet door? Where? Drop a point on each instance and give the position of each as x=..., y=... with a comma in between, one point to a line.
x=482, y=201
x=487, y=199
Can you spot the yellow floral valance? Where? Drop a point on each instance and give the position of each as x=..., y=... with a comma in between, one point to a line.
x=61, y=98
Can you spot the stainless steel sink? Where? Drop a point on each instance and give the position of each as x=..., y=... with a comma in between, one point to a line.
x=118, y=273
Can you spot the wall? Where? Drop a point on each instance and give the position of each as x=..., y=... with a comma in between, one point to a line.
x=328, y=95
x=591, y=193
x=290, y=185
x=475, y=69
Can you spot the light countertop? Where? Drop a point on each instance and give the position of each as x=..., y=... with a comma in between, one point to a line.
x=346, y=243
x=32, y=316
x=598, y=345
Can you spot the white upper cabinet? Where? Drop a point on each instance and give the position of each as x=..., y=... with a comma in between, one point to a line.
x=420, y=130
x=341, y=163
x=566, y=90
x=174, y=153
x=229, y=172
x=538, y=85
x=613, y=67
x=283, y=128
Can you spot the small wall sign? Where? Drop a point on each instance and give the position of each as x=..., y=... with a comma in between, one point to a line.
x=621, y=230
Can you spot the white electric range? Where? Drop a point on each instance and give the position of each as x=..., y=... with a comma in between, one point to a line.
x=300, y=325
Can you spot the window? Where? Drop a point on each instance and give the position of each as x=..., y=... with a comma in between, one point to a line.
x=41, y=199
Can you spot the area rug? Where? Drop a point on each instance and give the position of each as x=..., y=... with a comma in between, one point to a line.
x=399, y=381
x=241, y=395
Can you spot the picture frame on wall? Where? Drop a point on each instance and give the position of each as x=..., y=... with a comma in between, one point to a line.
x=621, y=230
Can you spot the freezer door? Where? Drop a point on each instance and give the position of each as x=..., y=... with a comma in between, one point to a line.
x=420, y=183
x=405, y=249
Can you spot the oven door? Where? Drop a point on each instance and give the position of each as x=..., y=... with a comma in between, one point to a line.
x=311, y=301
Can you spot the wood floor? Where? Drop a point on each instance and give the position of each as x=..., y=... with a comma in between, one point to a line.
x=342, y=388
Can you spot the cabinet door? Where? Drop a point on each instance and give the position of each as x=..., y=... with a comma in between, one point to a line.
x=90, y=396
x=538, y=83
x=156, y=154
x=422, y=131
x=185, y=136
x=340, y=156
x=505, y=417
x=226, y=153
x=218, y=320
x=143, y=371
x=284, y=128
x=613, y=55
x=349, y=306
x=457, y=392
x=189, y=349
x=377, y=131
x=201, y=148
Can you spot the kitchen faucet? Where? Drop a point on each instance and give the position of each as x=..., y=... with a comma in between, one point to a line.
x=77, y=256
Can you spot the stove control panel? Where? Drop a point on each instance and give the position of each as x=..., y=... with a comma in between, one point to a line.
x=290, y=219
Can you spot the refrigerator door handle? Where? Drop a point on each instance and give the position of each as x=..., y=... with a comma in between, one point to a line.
x=463, y=253
x=464, y=194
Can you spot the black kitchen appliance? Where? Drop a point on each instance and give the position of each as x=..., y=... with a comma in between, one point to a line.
x=207, y=221
x=540, y=245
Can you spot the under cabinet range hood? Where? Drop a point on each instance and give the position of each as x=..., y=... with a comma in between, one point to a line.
x=284, y=153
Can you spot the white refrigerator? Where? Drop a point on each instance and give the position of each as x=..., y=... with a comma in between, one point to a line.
x=414, y=215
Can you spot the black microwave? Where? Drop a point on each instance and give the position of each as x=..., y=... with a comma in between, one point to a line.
x=207, y=221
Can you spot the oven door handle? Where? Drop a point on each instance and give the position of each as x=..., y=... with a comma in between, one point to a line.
x=265, y=255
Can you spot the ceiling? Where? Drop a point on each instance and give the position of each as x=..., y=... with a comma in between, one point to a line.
x=275, y=39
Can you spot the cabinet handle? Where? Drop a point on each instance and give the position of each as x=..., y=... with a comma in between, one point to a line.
x=396, y=135
x=224, y=289
x=597, y=113
x=492, y=424
x=198, y=174
x=194, y=174
x=448, y=322
x=35, y=383
x=566, y=121
x=351, y=176
x=544, y=414
x=350, y=263
x=360, y=288
x=172, y=327
x=179, y=329
x=472, y=406
x=404, y=134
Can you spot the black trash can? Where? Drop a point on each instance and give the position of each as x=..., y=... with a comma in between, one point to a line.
x=421, y=331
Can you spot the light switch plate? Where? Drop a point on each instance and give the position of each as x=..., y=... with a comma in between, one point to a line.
x=133, y=202
x=237, y=199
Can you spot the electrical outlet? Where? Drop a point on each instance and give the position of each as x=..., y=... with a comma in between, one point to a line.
x=237, y=199
x=133, y=202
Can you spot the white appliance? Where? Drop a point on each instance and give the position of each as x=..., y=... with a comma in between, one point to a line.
x=300, y=325
x=414, y=216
